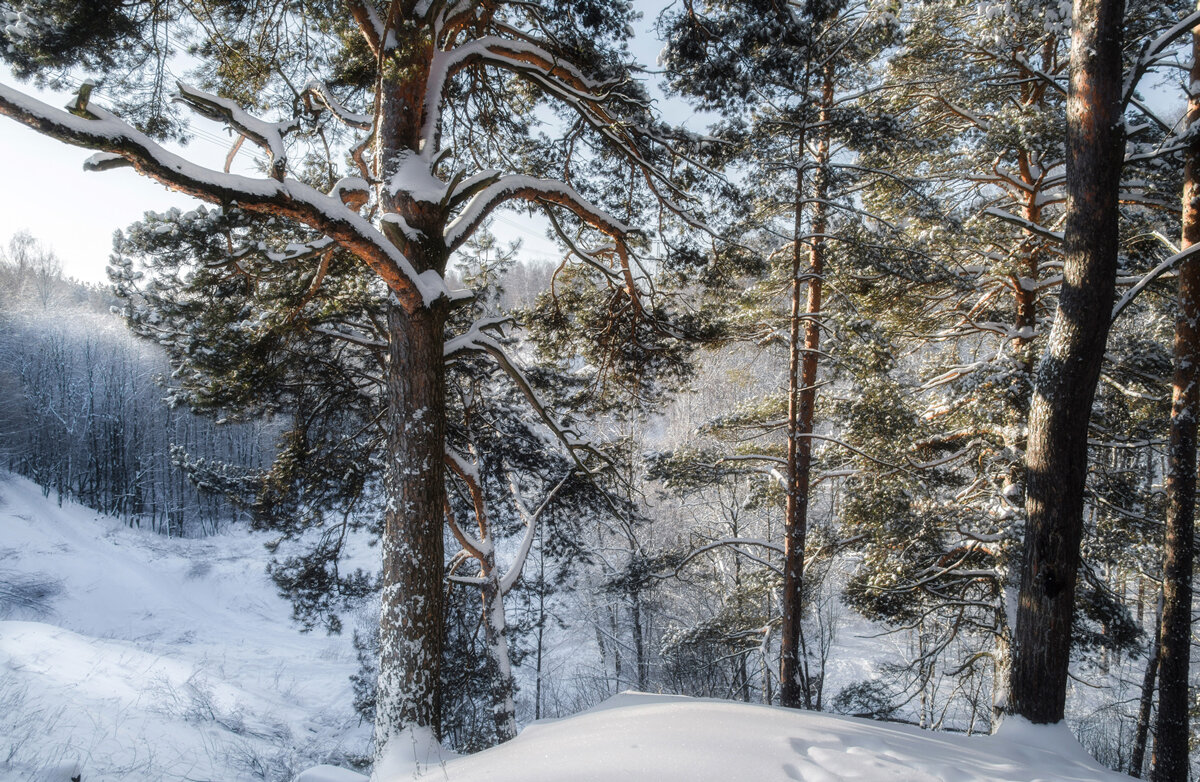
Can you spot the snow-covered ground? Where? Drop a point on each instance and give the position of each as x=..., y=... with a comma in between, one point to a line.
x=659, y=738
x=125, y=655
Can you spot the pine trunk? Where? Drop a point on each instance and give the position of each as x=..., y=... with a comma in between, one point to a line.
x=411, y=628
x=1056, y=459
x=411, y=620
x=1172, y=728
x=794, y=690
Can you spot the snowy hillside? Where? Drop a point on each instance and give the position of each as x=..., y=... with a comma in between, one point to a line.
x=125, y=655
x=654, y=738
x=129, y=656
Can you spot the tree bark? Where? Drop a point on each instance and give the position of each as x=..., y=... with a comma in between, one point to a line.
x=411, y=619
x=504, y=710
x=1065, y=385
x=794, y=690
x=411, y=629
x=1138, y=757
x=1172, y=727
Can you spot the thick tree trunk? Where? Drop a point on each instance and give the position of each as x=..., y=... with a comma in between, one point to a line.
x=411, y=620
x=1172, y=728
x=794, y=690
x=411, y=629
x=1056, y=459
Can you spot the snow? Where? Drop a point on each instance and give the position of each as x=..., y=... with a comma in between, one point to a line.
x=154, y=658
x=268, y=135
x=513, y=185
x=410, y=752
x=636, y=737
x=144, y=657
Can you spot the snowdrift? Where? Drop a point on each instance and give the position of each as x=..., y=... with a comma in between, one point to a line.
x=654, y=738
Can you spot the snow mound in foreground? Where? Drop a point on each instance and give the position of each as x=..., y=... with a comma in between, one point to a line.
x=653, y=738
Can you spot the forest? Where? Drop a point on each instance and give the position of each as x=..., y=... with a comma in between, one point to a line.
x=865, y=381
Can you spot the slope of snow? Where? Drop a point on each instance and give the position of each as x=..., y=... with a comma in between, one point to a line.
x=126, y=655
x=658, y=738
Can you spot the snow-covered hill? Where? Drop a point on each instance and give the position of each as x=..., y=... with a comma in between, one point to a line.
x=655, y=738
x=125, y=655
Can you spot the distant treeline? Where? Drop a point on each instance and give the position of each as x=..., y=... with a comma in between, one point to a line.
x=83, y=408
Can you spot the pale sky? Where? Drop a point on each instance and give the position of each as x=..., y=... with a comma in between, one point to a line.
x=71, y=211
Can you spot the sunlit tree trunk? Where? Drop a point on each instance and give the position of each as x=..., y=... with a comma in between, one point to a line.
x=1065, y=384
x=794, y=689
x=1172, y=729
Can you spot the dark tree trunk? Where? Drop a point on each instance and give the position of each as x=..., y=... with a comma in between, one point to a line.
x=794, y=690
x=411, y=621
x=1056, y=459
x=1138, y=757
x=1172, y=728
x=411, y=629
x=639, y=641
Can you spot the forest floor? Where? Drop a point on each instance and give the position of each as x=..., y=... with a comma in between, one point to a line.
x=126, y=655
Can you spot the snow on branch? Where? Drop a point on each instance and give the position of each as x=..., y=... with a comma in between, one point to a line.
x=1153, y=50
x=475, y=341
x=468, y=472
x=1151, y=276
x=1028, y=225
x=737, y=545
x=268, y=135
x=353, y=191
x=518, y=187
x=103, y=131
x=369, y=23
x=319, y=91
x=509, y=580
x=525, y=57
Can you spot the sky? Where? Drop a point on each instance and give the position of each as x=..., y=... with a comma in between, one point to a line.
x=71, y=211
x=74, y=212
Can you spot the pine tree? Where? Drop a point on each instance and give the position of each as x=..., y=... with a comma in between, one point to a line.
x=1172, y=734
x=788, y=80
x=435, y=104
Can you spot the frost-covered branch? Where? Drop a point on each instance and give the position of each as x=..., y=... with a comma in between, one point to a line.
x=1152, y=50
x=1028, y=225
x=526, y=188
x=105, y=132
x=369, y=23
x=531, y=520
x=474, y=341
x=729, y=542
x=319, y=91
x=1151, y=276
x=267, y=135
